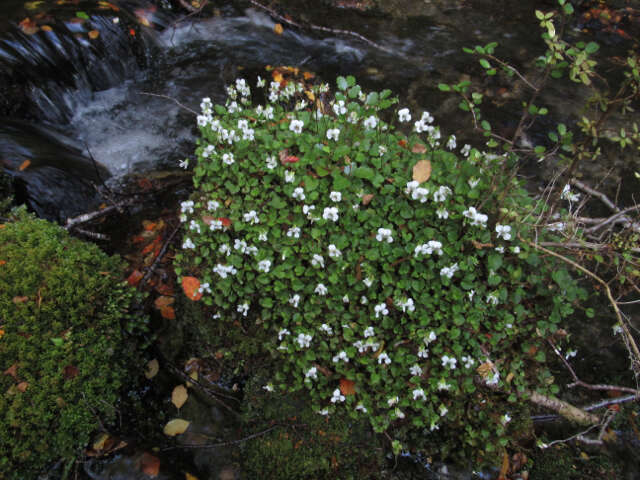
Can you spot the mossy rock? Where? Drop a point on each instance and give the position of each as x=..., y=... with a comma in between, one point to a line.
x=304, y=445
x=62, y=349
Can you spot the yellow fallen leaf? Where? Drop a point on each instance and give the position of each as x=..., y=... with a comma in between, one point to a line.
x=278, y=29
x=193, y=376
x=422, y=171
x=46, y=28
x=176, y=427
x=179, y=396
x=152, y=369
x=33, y=5
x=99, y=444
x=93, y=34
x=188, y=476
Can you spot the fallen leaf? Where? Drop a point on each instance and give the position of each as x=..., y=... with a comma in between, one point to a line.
x=20, y=299
x=485, y=369
x=93, y=34
x=277, y=28
x=163, y=301
x=28, y=26
x=366, y=199
x=12, y=371
x=480, y=246
x=422, y=171
x=134, y=278
x=1, y=333
x=99, y=444
x=149, y=464
x=308, y=75
x=22, y=386
x=510, y=377
x=179, y=396
x=33, y=5
x=175, y=427
x=152, y=369
x=168, y=313
x=70, y=371
x=191, y=286
x=505, y=467
x=188, y=476
x=419, y=148
x=347, y=387
x=24, y=165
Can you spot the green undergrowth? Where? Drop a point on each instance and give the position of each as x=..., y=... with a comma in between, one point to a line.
x=63, y=348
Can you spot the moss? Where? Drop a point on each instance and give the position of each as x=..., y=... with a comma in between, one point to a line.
x=62, y=350
x=304, y=444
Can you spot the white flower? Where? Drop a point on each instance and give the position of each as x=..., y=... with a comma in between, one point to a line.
x=449, y=271
x=515, y=250
x=216, y=225
x=361, y=407
x=260, y=82
x=556, y=227
x=499, y=249
x=570, y=354
x=264, y=266
x=304, y=340
x=282, y=333
x=335, y=196
x=404, y=115
x=411, y=186
x=370, y=122
x=423, y=352
x=369, y=332
x=251, y=217
x=225, y=249
x=271, y=162
x=503, y=231
x=363, y=300
x=407, y=305
x=268, y=112
x=415, y=370
x=419, y=393
x=317, y=260
x=345, y=299
x=333, y=251
x=188, y=244
x=471, y=294
x=468, y=361
x=567, y=194
x=368, y=282
x=339, y=108
x=205, y=287
x=399, y=413
x=382, y=150
x=294, y=232
x=296, y=126
x=381, y=308
x=337, y=396
x=506, y=418
x=392, y=401
x=420, y=194
x=330, y=213
x=473, y=182
x=384, y=358
x=384, y=235
x=443, y=410
x=206, y=105
x=187, y=206
x=224, y=270
x=333, y=134
x=298, y=193
x=308, y=209
x=465, y=150
x=341, y=356
x=451, y=143
x=294, y=300
x=312, y=373
x=617, y=329
x=428, y=248
x=203, y=120
x=243, y=309
x=321, y=289
x=212, y=205
x=227, y=158
x=441, y=194
x=443, y=385
x=477, y=218
x=268, y=387
x=243, y=124
x=492, y=299
x=262, y=237
x=240, y=245
x=448, y=361
x=184, y=163
x=326, y=329
x=324, y=412
x=442, y=213
x=431, y=338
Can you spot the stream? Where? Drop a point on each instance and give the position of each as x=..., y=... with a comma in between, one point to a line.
x=83, y=111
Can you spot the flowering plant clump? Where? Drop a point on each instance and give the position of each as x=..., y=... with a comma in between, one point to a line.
x=384, y=272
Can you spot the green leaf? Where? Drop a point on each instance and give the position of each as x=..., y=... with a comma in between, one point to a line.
x=592, y=47
x=485, y=63
x=342, y=83
x=444, y=87
x=82, y=15
x=364, y=172
x=57, y=341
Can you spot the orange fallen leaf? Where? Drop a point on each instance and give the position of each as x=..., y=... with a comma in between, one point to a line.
x=46, y=28
x=1, y=333
x=191, y=287
x=422, y=171
x=28, y=26
x=134, y=278
x=168, y=313
x=308, y=75
x=93, y=34
x=24, y=165
x=149, y=464
x=2, y=262
x=277, y=28
x=347, y=387
x=163, y=301
x=175, y=427
x=22, y=386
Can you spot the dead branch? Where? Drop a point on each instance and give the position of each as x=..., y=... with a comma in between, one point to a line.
x=595, y=193
x=93, y=235
x=335, y=31
x=619, y=217
x=87, y=217
x=568, y=411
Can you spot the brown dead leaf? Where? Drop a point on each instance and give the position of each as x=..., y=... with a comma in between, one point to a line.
x=70, y=371
x=422, y=171
x=419, y=148
x=191, y=287
x=505, y=467
x=168, y=313
x=134, y=278
x=366, y=199
x=163, y=301
x=93, y=34
x=22, y=386
x=149, y=464
x=277, y=28
x=46, y=28
x=20, y=299
x=480, y=246
x=152, y=369
x=12, y=371
x=175, y=427
x=485, y=369
x=179, y=396
x=347, y=387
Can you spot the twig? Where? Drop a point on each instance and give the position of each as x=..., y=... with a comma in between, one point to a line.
x=336, y=31
x=227, y=443
x=166, y=97
x=163, y=250
x=619, y=217
x=588, y=408
x=86, y=217
x=629, y=340
x=94, y=235
x=595, y=193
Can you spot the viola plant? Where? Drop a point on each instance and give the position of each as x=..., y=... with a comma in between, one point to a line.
x=377, y=263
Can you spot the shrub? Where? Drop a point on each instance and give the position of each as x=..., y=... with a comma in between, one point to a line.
x=61, y=347
x=384, y=273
